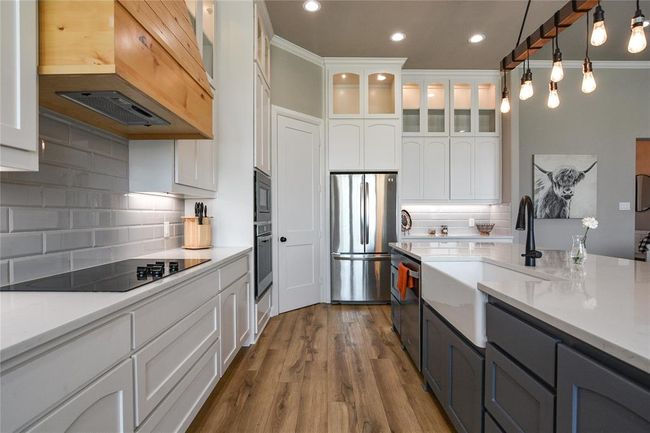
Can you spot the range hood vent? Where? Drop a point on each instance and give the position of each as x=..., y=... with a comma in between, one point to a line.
x=116, y=106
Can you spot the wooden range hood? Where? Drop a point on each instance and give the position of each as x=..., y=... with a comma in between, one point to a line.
x=145, y=50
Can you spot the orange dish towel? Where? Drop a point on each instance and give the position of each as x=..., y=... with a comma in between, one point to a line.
x=404, y=280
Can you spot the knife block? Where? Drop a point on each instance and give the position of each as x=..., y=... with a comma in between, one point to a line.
x=197, y=236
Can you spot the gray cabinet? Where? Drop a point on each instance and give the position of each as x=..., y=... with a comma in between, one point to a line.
x=454, y=371
x=592, y=399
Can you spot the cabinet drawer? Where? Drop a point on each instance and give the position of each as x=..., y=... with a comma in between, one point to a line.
x=37, y=385
x=517, y=402
x=104, y=406
x=158, y=315
x=232, y=272
x=178, y=409
x=528, y=345
x=489, y=425
x=161, y=364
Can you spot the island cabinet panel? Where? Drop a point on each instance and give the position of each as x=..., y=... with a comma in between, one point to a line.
x=593, y=398
x=490, y=426
x=454, y=371
x=528, y=345
x=228, y=318
x=104, y=406
x=517, y=401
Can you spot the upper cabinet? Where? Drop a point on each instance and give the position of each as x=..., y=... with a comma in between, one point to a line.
x=363, y=88
x=425, y=106
x=19, y=86
x=262, y=44
x=104, y=65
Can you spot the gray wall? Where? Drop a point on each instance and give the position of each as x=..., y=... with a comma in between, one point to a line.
x=296, y=83
x=606, y=123
x=75, y=211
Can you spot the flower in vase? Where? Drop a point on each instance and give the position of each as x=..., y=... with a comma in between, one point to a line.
x=590, y=223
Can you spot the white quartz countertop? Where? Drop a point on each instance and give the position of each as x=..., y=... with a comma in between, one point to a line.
x=28, y=319
x=456, y=237
x=604, y=302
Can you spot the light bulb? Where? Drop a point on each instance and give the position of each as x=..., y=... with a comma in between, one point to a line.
x=311, y=6
x=557, y=73
x=553, y=97
x=599, y=33
x=588, y=80
x=381, y=77
x=505, y=102
x=637, y=39
x=526, y=91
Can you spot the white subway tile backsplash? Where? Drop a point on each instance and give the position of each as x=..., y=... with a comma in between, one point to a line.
x=20, y=195
x=104, y=237
x=35, y=219
x=78, y=202
x=29, y=268
x=20, y=244
x=456, y=217
x=68, y=240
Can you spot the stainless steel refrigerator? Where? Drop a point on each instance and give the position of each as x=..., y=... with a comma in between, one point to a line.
x=363, y=219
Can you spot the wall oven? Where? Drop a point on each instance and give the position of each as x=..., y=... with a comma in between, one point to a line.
x=262, y=197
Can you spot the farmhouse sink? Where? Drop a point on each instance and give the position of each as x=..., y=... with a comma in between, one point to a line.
x=451, y=288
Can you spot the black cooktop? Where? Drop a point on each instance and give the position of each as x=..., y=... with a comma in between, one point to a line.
x=113, y=277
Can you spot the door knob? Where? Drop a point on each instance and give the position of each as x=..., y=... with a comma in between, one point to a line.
x=283, y=239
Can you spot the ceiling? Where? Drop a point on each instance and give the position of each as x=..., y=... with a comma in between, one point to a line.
x=437, y=32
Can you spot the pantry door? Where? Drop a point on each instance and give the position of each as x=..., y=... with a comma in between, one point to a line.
x=298, y=140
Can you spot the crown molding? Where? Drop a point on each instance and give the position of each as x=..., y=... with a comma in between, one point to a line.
x=398, y=61
x=296, y=50
x=450, y=72
x=598, y=64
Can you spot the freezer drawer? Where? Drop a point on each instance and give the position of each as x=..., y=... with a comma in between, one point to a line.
x=360, y=278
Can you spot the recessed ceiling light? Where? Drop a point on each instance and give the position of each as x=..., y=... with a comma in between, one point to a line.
x=397, y=37
x=311, y=5
x=381, y=77
x=475, y=39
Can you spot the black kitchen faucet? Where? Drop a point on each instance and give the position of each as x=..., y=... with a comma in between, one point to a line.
x=526, y=209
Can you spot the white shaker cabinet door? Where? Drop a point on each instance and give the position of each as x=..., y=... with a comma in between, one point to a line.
x=243, y=309
x=262, y=130
x=104, y=406
x=435, y=169
x=381, y=144
x=410, y=174
x=462, y=168
x=206, y=165
x=346, y=144
x=19, y=85
x=186, y=157
x=228, y=320
x=487, y=164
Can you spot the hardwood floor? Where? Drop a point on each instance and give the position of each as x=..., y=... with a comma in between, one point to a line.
x=323, y=369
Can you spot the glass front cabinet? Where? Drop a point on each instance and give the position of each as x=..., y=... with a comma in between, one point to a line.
x=363, y=92
x=425, y=107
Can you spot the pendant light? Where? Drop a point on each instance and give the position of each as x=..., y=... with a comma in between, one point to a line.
x=637, y=38
x=553, y=97
x=599, y=33
x=505, y=95
x=557, y=73
x=526, y=91
x=588, y=80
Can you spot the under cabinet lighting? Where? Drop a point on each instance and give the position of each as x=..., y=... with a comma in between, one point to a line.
x=397, y=37
x=311, y=6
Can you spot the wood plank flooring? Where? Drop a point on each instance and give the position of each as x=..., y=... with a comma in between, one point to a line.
x=323, y=369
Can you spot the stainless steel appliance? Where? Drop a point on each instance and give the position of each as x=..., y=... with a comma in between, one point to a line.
x=363, y=221
x=119, y=276
x=262, y=197
x=406, y=312
x=263, y=259
x=263, y=234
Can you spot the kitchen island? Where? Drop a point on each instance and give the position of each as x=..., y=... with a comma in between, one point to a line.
x=543, y=346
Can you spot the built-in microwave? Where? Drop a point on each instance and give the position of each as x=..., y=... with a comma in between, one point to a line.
x=262, y=197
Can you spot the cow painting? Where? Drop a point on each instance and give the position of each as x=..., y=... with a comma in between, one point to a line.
x=565, y=186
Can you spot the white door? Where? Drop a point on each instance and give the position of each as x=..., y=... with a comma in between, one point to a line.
x=298, y=213
x=346, y=144
x=381, y=144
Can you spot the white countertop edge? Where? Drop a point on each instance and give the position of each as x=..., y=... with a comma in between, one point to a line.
x=456, y=237
x=608, y=347
x=129, y=298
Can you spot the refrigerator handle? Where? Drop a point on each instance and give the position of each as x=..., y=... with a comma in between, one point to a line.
x=362, y=212
x=366, y=233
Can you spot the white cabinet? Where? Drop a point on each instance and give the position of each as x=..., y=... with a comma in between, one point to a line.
x=346, y=144
x=185, y=167
x=473, y=106
x=203, y=20
x=242, y=293
x=262, y=44
x=475, y=167
x=425, y=105
x=381, y=139
x=104, y=406
x=228, y=325
x=19, y=85
x=262, y=130
x=425, y=168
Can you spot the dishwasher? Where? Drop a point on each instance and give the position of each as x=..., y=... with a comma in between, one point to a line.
x=406, y=313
